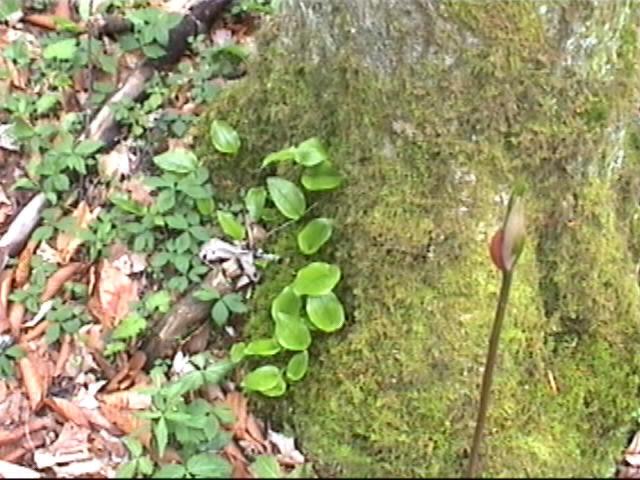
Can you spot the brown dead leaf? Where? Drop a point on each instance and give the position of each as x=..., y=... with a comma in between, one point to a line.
x=33, y=382
x=13, y=435
x=70, y=446
x=23, y=270
x=63, y=355
x=16, y=315
x=138, y=191
x=238, y=405
x=11, y=470
x=68, y=243
x=6, y=277
x=117, y=163
x=41, y=20
x=127, y=400
x=129, y=423
x=113, y=296
x=68, y=411
x=58, y=279
x=19, y=76
x=35, y=332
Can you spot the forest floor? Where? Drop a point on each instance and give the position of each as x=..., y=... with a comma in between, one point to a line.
x=109, y=224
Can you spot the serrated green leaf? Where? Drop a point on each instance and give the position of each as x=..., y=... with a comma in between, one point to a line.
x=266, y=466
x=130, y=327
x=317, y=278
x=206, y=294
x=161, y=434
x=160, y=301
x=220, y=313
x=166, y=200
x=287, y=197
x=63, y=49
x=207, y=465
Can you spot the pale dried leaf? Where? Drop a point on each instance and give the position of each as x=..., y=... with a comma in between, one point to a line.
x=68, y=243
x=11, y=470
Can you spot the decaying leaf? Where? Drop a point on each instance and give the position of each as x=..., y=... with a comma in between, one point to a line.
x=67, y=410
x=33, y=382
x=58, y=279
x=23, y=269
x=113, y=295
x=11, y=470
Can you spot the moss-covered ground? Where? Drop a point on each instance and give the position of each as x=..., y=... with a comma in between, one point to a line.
x=428, y=151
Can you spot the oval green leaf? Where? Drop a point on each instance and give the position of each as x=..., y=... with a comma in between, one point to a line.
x=287, y=302
x=278, y=390
x=325, y=312
x=224, y=138
x=292, y=333
x=179, y=160
x=265, y=347
x=311, y=152
x=317, y=278
x=321, y=177
x=297, y=366
x=314, y=235
x=230, y=225
x=262, y=378
x=281, y=156
x=254, y=200
x=287, y=197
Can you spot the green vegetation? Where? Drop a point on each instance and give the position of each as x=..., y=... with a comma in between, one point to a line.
x=395, y=392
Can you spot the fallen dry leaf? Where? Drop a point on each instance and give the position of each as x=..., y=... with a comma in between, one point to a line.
x=70, y=446
x=16, y=315
x=14, y=435
x=23, y=269
x=33, y=382
x=58, y=279
x=11, y=470
x=116, y=163
x=63, y=355
x=129, y=423
x=113, y=296
x=127, y=400
x=68, y=411
x=6, y=277
x=68, y=243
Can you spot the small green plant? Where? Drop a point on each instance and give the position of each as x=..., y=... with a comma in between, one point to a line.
x=64, y=318
x=139, y=465
x=195, y=426
x=223, y=307
x=151, y=31
x=9, y=353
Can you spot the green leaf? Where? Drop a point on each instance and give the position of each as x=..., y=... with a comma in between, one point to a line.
x=61, y=50
x=262, y=378
x=234, y=302
x=128, y=470
x=220, y=313
x=200, y=233
x=254, y=200
x=46, y=103
x=177, y=222
x=205, y=206
x=171, y=470
x=321, y=177
x=134, y=446
x=314, y=235
x=292, y=333
x=281, y=156
x=161, y=433
x=183, y=242
x=236, y=354
x=145, y=466
x=224, y=138
x=230, y=225
x=153, y=50
x=178, y=161
x=264, y=347
x=277, y=390
x=266, y=466
x=42, y=233
x=130, y=327
x=317, y=278
x=88, y=147
x=53, y=333
x=287, y=302
x=297, y=366
x=206, y=294
x=166, y=200
x=311, y=152
x=8, y=8
x=207, y=465
x=325, y=312
x=287, y=197
x=160, y=301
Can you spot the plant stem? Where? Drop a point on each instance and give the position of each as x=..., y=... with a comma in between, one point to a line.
x=487, y=378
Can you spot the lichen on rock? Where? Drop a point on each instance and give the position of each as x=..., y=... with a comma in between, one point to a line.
x=432, y=110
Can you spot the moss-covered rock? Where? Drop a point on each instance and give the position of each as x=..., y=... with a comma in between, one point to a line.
x=432, y=110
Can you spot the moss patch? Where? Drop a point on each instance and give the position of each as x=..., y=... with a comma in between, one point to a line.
x=426, y=151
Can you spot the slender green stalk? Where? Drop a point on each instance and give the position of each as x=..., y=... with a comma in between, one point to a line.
x=487, y=378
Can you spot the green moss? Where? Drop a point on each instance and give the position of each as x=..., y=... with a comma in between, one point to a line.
x=425, y=152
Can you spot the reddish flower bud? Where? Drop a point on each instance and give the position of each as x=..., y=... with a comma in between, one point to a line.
x=495, y=248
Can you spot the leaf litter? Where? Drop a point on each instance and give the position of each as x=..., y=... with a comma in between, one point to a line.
x=65, y=409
